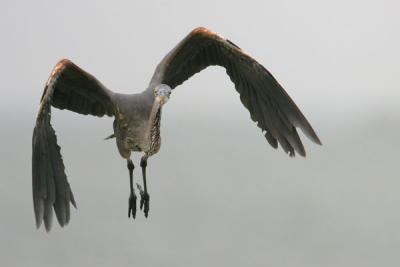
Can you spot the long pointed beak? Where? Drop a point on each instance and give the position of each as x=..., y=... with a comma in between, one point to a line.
x=162, y=99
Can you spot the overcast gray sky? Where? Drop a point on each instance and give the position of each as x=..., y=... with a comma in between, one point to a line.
x=219, y=194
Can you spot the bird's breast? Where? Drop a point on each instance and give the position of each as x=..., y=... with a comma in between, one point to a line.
x=141, y=137
x=131, y=136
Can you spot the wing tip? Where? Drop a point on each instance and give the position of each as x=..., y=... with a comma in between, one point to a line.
x=302, y=153
x=38, y=221
x=318, y=141
x=312, y=136
x=308, y=130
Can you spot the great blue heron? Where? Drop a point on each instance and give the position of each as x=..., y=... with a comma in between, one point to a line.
x=137, y=116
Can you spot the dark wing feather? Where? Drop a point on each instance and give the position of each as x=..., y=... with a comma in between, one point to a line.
x=70, y=88
x=268, y=103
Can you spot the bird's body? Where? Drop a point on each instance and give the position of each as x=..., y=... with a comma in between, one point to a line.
x=137, y=117
x=134, y=123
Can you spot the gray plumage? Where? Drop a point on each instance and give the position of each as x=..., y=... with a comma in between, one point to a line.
x=137, y=117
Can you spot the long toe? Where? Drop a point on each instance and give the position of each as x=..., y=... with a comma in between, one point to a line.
x=132, y=206
x=144, y=200
x=141, y=203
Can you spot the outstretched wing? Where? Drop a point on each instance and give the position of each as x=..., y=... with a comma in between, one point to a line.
x=68, y=87
x=269, y=105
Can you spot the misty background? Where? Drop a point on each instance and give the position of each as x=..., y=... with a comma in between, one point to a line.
x=220, y=195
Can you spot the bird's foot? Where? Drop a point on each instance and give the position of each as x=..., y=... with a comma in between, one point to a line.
x=132, y=206
x=144, y=201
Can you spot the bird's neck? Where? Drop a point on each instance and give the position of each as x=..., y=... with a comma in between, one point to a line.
x=153, y=131
x=154, y=114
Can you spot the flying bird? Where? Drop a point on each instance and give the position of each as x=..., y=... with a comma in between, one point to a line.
x=137, y=117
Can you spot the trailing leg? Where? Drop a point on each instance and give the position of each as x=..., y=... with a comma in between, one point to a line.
x=144, y=195
x=132, y=196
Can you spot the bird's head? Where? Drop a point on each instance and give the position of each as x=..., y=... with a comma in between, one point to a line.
x=162, y=93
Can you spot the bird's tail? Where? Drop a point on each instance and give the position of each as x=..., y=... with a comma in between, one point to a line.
x=49, y=182
x=110, y=136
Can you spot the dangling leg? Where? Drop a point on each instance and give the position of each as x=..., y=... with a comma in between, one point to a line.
x=144, y=196
x=132, y=196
